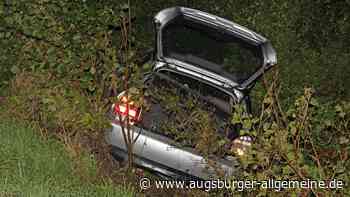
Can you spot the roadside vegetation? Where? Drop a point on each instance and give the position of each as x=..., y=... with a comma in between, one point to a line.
x=37, y=165
x=63, y=63
x=307, y=140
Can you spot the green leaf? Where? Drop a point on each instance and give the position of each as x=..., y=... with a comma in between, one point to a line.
x=314, y=102
x=286, y=170
x=76, y=37
x=338, y=108
x=290, y=156
x=343, y=140
x=92, y=70
x=51, y=50
x=124, y=7
x=15, y=69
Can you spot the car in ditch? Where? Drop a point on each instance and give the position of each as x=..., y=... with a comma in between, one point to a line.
x=205, y=55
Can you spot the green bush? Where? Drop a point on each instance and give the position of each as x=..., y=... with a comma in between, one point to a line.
x=55, y=104
x=60, y=62
x=308, y=140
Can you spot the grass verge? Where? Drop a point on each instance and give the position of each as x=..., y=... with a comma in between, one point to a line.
x=33, y=166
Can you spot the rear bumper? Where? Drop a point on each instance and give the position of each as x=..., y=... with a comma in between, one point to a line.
x=157, y=153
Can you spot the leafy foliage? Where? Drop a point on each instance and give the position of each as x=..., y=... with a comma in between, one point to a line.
x=306, y=141
x=61, y=61
x=187, y=118
x=55, y=106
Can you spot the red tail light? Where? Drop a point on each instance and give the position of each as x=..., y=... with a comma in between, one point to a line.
x=121, y=108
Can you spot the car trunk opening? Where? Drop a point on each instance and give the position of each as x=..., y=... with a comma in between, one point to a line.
x=185, y=109
x=210, y=48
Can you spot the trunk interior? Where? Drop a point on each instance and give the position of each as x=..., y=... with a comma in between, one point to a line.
x=187, y=111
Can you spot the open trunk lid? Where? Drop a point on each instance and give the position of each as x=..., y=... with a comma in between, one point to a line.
x=212, y=45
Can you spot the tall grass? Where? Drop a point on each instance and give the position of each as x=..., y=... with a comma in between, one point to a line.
x=33, y=166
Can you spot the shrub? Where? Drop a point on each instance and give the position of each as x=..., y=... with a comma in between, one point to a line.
x=306, y=141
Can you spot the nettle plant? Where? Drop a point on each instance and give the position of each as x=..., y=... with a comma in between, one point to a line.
x=306, y=141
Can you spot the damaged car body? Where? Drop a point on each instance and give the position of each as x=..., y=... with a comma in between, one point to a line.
x=193, y=50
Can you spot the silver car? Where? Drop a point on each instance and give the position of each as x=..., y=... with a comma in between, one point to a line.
x=205, y=54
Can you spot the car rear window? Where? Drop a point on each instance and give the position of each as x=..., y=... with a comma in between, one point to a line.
x=214, y=95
